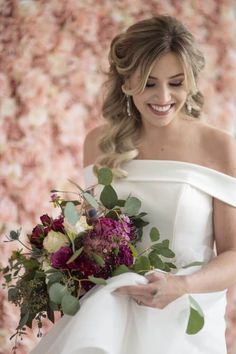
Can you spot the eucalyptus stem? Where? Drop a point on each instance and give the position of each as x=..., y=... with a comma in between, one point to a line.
x=144, y=251
x=24, y=245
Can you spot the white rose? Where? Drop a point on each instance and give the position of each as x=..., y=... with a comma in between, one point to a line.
x=73, y=230
x=46, y=266
x=82, y=225
x=70, y=230
x=54, y=241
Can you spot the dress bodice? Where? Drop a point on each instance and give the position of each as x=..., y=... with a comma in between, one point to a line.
x=178, y=197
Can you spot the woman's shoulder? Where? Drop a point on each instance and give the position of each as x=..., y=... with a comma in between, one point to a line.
x=91, y=149
x=219, y=148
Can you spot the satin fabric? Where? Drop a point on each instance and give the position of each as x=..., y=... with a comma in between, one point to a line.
x=178, y=197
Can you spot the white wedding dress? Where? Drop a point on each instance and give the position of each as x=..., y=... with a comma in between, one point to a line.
x=178, y=197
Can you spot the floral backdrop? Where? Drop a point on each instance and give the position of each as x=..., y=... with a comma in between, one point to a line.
x=53, y=55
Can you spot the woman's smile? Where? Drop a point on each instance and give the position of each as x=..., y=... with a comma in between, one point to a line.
x=161, y=110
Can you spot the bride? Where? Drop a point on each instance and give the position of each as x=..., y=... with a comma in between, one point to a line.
x=184, y=171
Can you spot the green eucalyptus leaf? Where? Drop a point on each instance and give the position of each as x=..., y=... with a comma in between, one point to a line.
x=70, y=304
x=166, y=243
x=53, y=306
x=109, y=197
x=30, y=320
x=71, y=213
x=166, y=252
x=91, y=200
x=195, y=305
x=12, y=294
x=98, y=259
x=7, y=278
x=132, y=206
x=55, y=278
x=155, y=260
x=23, y=319
x=31, y=263
x=139, y=223
x=75, y=255
x=51, y=271
x=120, y=202
x=157, y=246
x=112, y=214
x=121, y=269
x=193, y=264
x=142, y=264
x=195, y=322
x=5, y=270
x=97, y=281
x=141, y=215
x=57, y=291
x=50, y=314
x=171, y=265
x=105, y=176
x=154, y=234
x=196, y=317
x=161, y=245
x=166, y=267
x=133, y=250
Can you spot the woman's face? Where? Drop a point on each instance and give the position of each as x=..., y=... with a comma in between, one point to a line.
x=165, y=93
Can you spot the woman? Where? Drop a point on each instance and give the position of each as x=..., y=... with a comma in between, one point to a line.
x=184, y=172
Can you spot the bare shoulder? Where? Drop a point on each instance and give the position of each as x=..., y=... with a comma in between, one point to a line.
x=220, y=148
x=91, y=149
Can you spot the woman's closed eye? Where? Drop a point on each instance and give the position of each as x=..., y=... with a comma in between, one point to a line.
x=175, y=84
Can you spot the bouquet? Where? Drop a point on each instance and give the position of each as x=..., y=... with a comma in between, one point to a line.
x=90, y=241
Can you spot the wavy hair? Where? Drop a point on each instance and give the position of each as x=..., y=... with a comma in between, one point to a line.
x=139, y=47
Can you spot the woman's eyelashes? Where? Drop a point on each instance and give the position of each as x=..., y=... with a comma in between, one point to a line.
x=175, y=84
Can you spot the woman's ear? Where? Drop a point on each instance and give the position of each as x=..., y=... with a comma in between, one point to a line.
x=126, y=85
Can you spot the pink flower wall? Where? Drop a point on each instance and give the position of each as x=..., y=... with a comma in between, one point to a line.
x=53, y=54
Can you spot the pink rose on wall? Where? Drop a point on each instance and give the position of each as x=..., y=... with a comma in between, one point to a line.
x=53, y=54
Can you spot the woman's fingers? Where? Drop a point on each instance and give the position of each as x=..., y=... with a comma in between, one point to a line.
x=156, y=276
x=148, y=290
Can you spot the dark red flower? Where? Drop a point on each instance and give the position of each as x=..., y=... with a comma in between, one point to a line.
x=37, y=236
x=46, y=220
x=124, y=256
x=58, y=224
x=59, y=258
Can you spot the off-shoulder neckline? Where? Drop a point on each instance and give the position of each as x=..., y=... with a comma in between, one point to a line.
x=172, y=162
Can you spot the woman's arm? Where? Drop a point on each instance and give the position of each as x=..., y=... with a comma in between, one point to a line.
x=220, y=273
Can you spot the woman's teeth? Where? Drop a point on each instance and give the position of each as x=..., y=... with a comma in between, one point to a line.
x=157, y=108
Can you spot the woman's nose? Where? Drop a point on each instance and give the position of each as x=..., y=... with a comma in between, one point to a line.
x=163, y=94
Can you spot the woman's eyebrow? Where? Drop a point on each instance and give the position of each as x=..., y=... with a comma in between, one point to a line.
x=171, y=77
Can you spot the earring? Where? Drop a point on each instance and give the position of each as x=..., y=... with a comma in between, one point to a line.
x=188, y=106
x=128, y=106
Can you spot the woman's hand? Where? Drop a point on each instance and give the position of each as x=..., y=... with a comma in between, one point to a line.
x=162, y=289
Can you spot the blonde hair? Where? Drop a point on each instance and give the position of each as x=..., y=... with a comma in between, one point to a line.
x=139, y=47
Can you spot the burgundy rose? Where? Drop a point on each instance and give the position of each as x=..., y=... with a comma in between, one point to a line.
x=58, y=224
x=37, y=236
x=59, y=258
x=86, y=266
x=46, y=220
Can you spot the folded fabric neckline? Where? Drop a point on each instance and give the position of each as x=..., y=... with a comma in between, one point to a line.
x=208, y=180
x=149, y=162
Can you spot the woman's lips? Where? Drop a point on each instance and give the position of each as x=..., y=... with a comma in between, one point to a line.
x=160, y=110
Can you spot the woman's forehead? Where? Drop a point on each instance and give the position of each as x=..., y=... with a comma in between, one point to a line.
x=168, y=65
